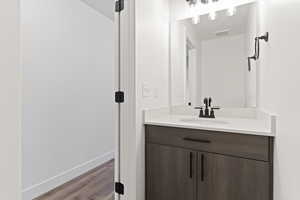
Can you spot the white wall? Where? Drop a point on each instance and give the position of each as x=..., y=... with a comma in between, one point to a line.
x=10, y=101
x=279, y=82
x=68, y=64
x=152, y=71
x=223, y=65
x=251, y=76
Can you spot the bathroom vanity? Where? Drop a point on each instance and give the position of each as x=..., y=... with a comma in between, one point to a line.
x=186, y=161
x=211, y=154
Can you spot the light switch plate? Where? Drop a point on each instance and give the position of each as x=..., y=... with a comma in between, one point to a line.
x=146, y=91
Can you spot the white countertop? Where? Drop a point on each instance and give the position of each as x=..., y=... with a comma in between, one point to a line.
x=253, y=126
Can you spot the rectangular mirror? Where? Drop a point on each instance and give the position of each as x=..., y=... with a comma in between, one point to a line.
x=210, y=59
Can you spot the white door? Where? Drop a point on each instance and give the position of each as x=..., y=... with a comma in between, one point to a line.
x=125, y=82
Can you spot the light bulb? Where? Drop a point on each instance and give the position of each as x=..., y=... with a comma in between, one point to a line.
x=212, y=15
x=196, y=19
x=193, y=9
x=231, y=11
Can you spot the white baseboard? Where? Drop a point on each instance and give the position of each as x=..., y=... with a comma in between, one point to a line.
x=55, y=181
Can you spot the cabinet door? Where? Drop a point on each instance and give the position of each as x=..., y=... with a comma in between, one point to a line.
x=170, y=173
x=231, y=178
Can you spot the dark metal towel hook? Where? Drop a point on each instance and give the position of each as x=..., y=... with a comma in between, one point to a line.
x=249, y=62
x=264, y=37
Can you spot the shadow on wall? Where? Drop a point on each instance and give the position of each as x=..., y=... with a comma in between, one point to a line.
x=104, y=7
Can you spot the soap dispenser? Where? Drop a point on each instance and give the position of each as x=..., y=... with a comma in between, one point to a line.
x=201, y=112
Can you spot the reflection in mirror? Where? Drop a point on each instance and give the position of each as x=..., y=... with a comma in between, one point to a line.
x=209, y=59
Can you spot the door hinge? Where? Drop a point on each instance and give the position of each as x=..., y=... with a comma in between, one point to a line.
x=119, y=188
x=119, y=97
x=119, y=5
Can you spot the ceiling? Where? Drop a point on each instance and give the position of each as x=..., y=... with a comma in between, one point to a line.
x=207, y=29
x=105, y=7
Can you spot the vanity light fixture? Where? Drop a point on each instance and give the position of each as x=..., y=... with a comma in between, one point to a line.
x=192, y=2
x=231, y=11
x=196, y=20
x=196, y=17
x=212, y=15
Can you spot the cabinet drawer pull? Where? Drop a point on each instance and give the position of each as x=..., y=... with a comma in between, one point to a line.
x=197, y=140
x=191, y=165
x=202, y=167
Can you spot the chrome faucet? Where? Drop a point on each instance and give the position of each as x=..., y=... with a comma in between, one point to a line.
x=209, y=111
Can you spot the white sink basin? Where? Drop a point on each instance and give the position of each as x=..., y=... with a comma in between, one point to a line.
x=203, y=121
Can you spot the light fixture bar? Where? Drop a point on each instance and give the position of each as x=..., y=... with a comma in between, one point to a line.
x=193, y=2
x=212, y=14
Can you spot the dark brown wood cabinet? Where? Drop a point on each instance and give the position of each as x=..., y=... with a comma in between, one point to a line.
x=171, y=173
x=186, y=164
x=232, y=178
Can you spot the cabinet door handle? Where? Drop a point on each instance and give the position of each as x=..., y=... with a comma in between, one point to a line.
x=196, y=140
x=202, y=167
x=191, y=164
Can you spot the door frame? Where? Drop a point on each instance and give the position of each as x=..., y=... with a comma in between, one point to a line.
x=125, y=167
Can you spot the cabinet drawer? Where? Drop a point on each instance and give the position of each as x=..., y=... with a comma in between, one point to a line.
x=245, y=146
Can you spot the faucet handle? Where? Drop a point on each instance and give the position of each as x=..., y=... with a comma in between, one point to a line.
x=199, y=107
x=201, y=114
x=212, y=112
x=205, y=101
